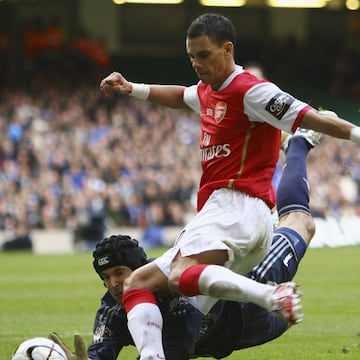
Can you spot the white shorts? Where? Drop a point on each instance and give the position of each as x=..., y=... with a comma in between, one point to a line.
x=227, y=215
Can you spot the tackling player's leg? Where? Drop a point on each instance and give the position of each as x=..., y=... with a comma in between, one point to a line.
x=296, y=225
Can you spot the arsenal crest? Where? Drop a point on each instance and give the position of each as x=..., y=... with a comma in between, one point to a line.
x=220, y=111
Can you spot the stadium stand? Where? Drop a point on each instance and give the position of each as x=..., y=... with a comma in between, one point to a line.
x=78, y=165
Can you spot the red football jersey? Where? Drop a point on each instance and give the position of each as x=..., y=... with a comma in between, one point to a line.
x=240, y=134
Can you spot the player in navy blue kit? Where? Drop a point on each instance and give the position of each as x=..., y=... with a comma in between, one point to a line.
x=114, y=258
x=229, y=326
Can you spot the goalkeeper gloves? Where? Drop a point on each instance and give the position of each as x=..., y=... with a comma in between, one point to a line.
x=79, y=346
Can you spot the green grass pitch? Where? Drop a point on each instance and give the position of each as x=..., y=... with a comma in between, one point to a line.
x=40, y=294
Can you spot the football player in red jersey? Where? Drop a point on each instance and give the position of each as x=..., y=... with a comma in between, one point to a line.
x=241, y=118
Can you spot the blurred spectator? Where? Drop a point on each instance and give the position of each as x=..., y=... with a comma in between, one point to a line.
x=55, y=37
x=34, y=38
x=20, y=239
x=88, y=53
x=5, y=41
x=43, y=40
x=334, y=186
x=255, y=68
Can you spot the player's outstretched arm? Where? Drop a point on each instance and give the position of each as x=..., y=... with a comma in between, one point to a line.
x=168, y=95
x=79, y=347
x=329, y=123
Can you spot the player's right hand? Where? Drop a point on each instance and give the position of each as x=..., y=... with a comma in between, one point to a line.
x=115, y=82
x=80, y=352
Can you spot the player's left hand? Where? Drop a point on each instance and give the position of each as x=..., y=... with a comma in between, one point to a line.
x=79, y=346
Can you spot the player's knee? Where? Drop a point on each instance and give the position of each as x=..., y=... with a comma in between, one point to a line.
x=133, y=281
x=302, y=223
x=127, y=284
x=310, y=227
x=173, y=281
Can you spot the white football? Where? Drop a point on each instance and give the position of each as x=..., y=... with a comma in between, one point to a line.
x=39, y=349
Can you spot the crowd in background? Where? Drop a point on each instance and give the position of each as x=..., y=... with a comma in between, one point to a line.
x=71, y=158
x=80, y=161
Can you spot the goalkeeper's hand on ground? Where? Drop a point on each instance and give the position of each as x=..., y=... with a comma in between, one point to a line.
x=79, y=346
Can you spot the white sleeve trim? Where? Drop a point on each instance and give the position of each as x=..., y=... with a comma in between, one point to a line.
x=258, y=98
x=191, y=98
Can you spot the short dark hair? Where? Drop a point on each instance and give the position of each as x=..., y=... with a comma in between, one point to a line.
x=215, y=26
x=118, y=250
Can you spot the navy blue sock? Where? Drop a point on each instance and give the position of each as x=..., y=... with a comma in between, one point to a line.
x=293, y=189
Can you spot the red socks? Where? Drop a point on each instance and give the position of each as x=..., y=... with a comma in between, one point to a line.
x=137, y=296
x=189, y=280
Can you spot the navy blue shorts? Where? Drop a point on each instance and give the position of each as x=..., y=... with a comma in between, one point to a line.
x=281, y=262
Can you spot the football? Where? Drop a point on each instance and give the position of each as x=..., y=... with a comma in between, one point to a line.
x=39, y=349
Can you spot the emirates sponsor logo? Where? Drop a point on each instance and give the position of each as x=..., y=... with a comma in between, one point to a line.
x=206, y=139
x=215, y=152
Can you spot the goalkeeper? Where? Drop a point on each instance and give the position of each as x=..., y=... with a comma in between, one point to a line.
x=229, y=326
